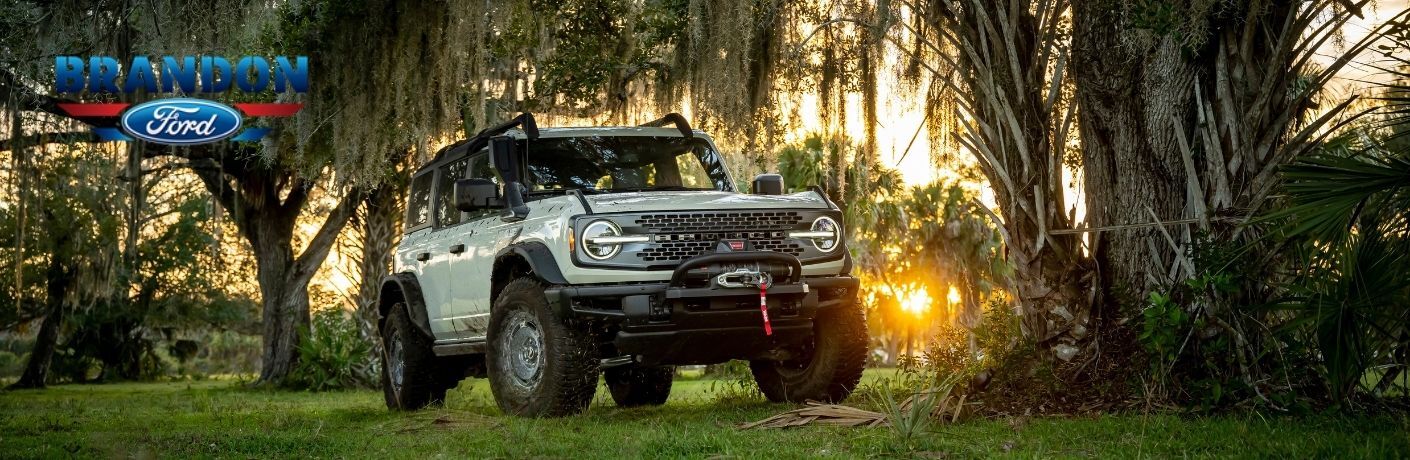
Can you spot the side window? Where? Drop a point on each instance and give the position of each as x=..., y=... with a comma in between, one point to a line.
x=480, y=169
x=418, y=204
x=446, y=214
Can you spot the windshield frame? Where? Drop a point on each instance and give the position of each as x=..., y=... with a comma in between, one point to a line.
x=526, y=151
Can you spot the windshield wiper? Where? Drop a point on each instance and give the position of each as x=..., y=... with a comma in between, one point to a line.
x=561, y=191
x=658, y=188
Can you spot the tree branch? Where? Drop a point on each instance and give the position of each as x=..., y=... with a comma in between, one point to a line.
x=308, y=262
x=11, y=88
x=298, y=196
x=31, y=140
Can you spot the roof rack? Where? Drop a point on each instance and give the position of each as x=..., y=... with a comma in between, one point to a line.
x=672, y=117
x=525, y=122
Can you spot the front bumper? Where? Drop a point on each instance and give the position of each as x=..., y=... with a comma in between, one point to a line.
x=685, y=321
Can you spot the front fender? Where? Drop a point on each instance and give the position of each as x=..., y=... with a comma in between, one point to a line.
x=403, y=288
x=539, y=258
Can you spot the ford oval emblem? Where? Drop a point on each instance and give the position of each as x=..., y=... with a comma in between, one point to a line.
x=181, y=121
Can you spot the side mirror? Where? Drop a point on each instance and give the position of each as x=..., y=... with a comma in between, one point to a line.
x=476, y=194
x=505, y=158
x=767, y=184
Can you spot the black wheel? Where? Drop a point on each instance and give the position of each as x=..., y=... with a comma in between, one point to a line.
x=410, y=378
x=538, y=364
x=827, y=370
x=639, y=385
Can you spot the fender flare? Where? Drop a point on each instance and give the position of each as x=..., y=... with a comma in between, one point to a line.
x=540, y=260
x=405, y=288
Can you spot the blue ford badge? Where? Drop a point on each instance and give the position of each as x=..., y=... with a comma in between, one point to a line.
x=181, y=121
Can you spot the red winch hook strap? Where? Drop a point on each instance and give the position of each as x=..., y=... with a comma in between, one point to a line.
x=764, y=307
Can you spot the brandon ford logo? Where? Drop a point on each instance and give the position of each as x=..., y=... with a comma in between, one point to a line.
x=178, y=120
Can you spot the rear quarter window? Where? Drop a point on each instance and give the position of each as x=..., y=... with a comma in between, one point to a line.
x=418, y=204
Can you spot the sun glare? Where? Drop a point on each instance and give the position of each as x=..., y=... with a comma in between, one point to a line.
x=916, y=302
x=954, y=296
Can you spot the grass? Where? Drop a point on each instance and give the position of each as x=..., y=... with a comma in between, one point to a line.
x=223, y=419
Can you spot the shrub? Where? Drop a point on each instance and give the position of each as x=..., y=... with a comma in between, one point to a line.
x=732, y=382
x=333, y=355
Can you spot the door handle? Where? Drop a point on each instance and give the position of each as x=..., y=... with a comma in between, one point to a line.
x=457, y=248
x=422, y=257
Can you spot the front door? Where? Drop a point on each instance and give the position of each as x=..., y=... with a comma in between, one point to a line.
x=473, y=268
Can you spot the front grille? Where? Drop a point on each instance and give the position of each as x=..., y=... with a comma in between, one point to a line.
x=682, y=236
x=719, y=221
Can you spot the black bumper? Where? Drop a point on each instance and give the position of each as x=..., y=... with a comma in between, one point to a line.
x=668, y=323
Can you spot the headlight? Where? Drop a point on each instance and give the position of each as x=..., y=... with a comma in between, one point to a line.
x=825, y=233
x=603, y=239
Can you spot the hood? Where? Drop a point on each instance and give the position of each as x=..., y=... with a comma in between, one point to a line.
x=697, y=200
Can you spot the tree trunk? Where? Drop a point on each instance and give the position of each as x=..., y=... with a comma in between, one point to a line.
x=380, y=230
x=284, y=300
x=59, y=278
x=1017, y=133
x=36, y=371
x=1133, y=86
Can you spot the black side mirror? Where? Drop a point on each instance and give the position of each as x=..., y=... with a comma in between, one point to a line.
x=767, y=184
x=505, y=158
x=476, y=194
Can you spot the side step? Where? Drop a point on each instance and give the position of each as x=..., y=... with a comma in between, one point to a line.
x=459, y=348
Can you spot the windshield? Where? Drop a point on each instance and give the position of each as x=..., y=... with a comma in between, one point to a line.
x=623, y=164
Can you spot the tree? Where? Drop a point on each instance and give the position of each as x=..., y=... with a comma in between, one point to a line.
x=1188, y=110
x=1184, y=109
x=70, y=255
x=263, y=190
x=265, y=201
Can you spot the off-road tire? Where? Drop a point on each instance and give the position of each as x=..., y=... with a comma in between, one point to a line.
x=827, y=371
x=422, y=382
x=634, y=386
x=565, y=368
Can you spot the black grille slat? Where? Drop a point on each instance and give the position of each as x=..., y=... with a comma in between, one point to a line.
x=680, y=236
x=719, y=221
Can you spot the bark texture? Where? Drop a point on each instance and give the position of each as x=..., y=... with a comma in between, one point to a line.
x=1190, y=119
x=1134, y=88
x=380, y=221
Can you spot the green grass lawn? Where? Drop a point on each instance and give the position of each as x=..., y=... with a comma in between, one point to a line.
x=223, y=419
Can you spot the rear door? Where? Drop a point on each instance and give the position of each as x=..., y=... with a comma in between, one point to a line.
x=417, y=253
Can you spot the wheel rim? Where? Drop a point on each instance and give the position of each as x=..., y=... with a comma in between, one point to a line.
x=799, y=364
x=396, y=366
x=523, y=348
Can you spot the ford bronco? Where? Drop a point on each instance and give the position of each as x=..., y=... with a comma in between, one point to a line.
x=543, y=258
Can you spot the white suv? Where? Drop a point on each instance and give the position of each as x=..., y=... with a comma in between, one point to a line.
x=542, y=258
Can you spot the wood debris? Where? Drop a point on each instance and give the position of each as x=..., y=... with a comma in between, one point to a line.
x=826, y=414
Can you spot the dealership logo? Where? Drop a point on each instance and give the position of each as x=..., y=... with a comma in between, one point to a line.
x=179, y=120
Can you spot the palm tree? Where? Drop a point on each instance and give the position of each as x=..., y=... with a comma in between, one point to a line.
x=1349, y=210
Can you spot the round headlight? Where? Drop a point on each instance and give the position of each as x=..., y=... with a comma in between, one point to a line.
x=600, y=228
x=826, y=224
